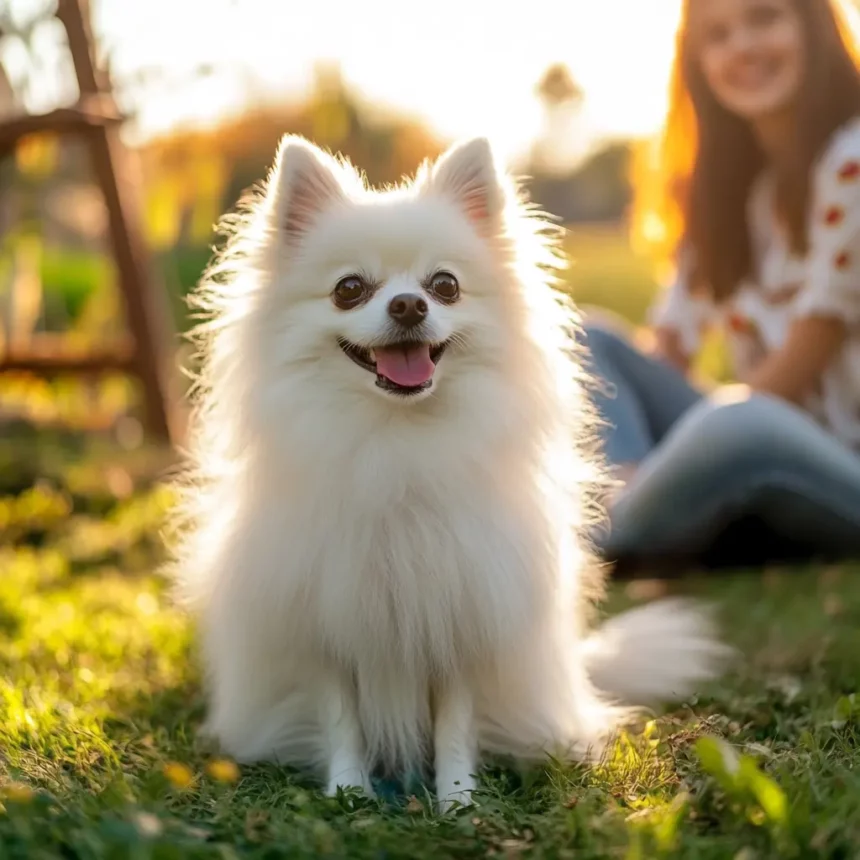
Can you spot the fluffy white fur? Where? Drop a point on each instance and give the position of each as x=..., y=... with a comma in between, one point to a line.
x=384, y=581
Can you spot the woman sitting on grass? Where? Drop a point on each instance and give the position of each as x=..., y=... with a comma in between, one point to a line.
x=759, y=194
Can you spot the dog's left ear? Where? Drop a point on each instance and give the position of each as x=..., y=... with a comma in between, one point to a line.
x=467, y=175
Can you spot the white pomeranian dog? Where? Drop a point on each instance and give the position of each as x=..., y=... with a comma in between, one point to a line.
x=382, y=530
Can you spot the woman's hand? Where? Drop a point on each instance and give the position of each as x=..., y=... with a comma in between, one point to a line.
x=794, y=371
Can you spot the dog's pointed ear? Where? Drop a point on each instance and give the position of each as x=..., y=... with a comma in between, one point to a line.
x=305, y=182
x=467, y=174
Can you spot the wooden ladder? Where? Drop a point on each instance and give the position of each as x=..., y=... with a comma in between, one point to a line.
x=149, y=353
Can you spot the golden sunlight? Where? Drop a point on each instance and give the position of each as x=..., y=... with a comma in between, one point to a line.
x=467, y=68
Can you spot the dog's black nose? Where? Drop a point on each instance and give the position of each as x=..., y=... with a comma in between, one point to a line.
x=408, y=310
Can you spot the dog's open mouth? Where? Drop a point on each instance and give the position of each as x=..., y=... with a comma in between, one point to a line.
x=401, y=368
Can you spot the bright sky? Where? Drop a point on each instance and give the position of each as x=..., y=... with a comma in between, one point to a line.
x=467, y=66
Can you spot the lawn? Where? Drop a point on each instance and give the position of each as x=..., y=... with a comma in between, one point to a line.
x=100, y=701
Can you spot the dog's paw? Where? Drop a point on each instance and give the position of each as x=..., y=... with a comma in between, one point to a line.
x=355, y=778
x=456, y=791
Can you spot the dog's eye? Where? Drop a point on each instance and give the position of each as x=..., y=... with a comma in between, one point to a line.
x=444, y=286
x=349, y=292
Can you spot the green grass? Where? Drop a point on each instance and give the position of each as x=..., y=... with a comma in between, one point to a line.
x=100, y=702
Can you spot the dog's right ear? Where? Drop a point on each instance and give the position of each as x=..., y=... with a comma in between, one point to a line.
x=305, y=181
x=467, y=175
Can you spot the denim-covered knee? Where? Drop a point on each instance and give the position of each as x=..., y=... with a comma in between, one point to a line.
x=733, y=423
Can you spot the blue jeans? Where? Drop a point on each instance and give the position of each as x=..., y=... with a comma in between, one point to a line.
x=705, y=461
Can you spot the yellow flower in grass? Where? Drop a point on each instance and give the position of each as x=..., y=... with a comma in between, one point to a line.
x=223, y=770
x=178, y=774
x=18, y=792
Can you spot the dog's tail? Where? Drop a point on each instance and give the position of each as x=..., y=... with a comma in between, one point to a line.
x=660, y=652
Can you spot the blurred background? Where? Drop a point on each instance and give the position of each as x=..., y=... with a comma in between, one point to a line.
x=186, y=102
x=205, y=89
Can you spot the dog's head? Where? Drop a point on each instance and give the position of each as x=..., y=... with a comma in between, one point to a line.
x=396, y=292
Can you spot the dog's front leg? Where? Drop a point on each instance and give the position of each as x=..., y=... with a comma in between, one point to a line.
x=455, y=739
x=346, y=765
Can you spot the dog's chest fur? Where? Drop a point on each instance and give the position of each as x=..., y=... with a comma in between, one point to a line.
x=424, y=563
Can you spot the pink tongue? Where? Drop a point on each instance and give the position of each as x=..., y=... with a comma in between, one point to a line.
x=407, y=366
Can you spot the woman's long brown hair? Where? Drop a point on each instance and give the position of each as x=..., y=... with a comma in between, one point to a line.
x=692, y=191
